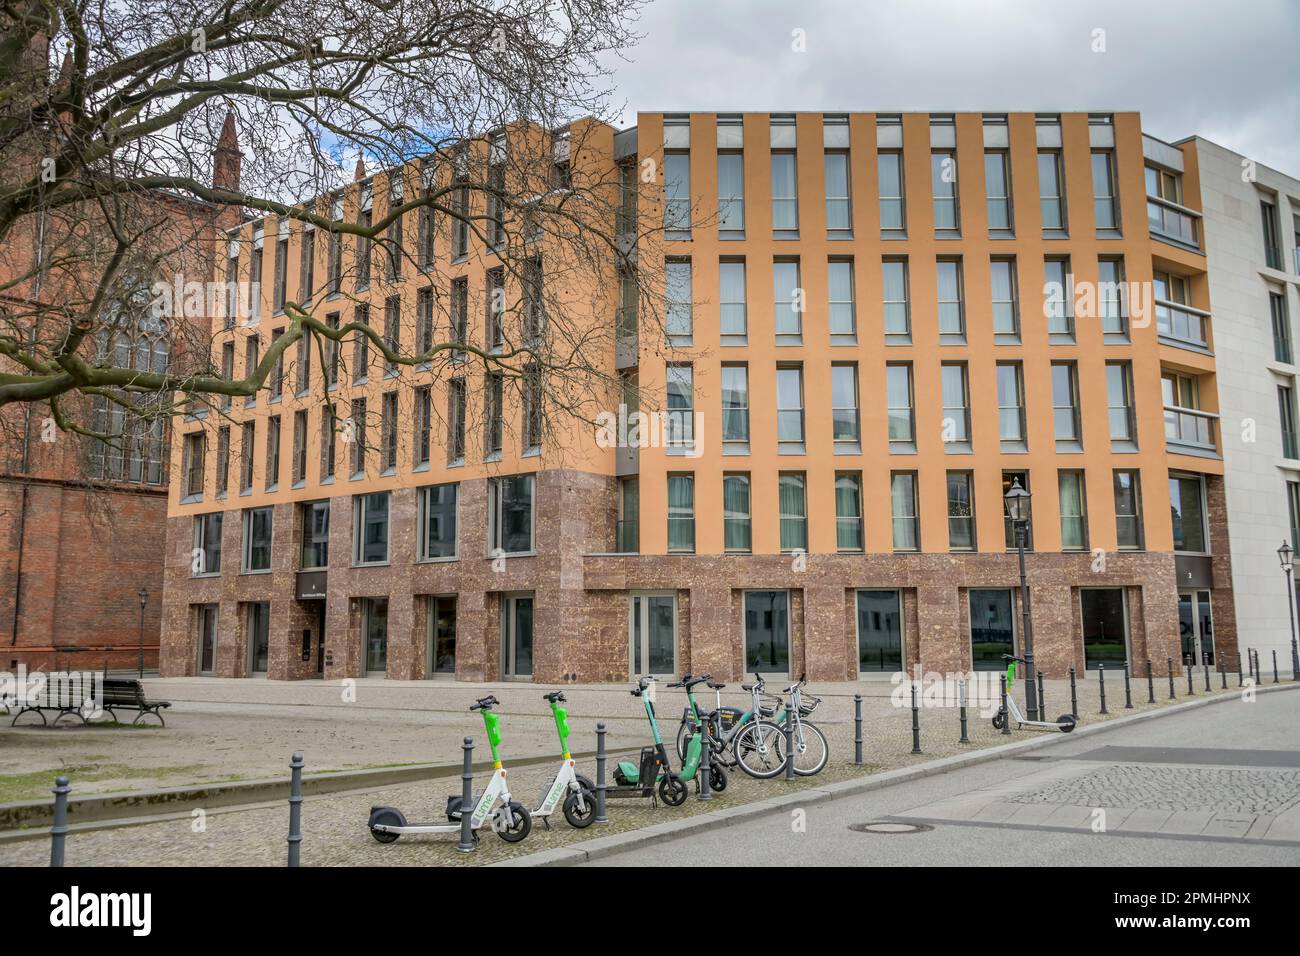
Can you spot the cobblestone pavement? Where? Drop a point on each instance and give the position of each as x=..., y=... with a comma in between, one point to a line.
x=1154, y=787
x=334, y=825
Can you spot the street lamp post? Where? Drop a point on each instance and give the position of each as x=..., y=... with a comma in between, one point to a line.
x=144, y=599
x=1017, y=500
x=1284, y=555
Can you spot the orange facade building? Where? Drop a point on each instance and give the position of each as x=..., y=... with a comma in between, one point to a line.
x=872, y=325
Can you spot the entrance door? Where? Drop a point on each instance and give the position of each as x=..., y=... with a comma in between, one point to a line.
x=992, y=628
x=517, y=636
x=1196, y=628
x=767, y=632
x=442, y=635
x=374, y=630
x=320, y=638
x=880, y=632
x=207, y=638
x=653, y=628
x=259, y=636
x=1105, y=627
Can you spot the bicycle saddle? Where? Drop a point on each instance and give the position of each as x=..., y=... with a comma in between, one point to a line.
x=713, y=686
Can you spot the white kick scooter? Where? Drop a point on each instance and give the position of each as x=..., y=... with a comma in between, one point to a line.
x=1065, y=723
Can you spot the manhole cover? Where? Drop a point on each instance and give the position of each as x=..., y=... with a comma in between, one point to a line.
x=884, y=827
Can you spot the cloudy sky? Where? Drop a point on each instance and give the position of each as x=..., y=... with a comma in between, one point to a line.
x=1226, y=69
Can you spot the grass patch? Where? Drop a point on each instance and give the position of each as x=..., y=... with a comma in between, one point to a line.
x=37, y=784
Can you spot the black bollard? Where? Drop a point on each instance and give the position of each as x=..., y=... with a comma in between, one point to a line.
x=1274, y=666
x=857, y=730
x=1206, y=668
x=1239, y=675
x=59, y=832
x=789, y=742
x=965, y=737
x=1151, y=683
x=1042, y=707
x=466, y=844
x=1074, y=695
x=916, y=723
x=1128, y=690
x=295, y=808
x=1006, y=711
x=1191, y=691
x=1169, y=662
x=1101, y=685
x=1223, y=675
x=600, y=774
x=705, y=765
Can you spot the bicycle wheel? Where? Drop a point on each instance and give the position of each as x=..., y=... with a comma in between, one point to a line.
x=810, y=749
x=760, y=750
x=683, y=734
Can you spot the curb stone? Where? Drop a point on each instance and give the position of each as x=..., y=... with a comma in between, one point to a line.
x=601, y=847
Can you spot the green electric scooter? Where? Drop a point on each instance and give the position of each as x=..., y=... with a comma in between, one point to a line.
x=652, y=773
x=695, y=742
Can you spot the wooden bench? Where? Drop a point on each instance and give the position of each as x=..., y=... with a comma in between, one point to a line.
x=126, y=694
x=116, y=693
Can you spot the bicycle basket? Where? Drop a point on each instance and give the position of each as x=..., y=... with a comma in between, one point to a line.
x=807, y=705
x=767, y=707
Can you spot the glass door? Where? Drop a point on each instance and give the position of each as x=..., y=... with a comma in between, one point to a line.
x=442, y=635
x=259, y=636
x=767, y=632
x=1105, y=627
x=653, y=632
x=374, y=628
x=992, y=628
x=207, y=638
x=1196, y=628
x=880, y=632
x=517, y=636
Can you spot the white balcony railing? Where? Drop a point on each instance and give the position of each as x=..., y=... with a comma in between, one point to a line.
x=1191, y=427
x=1169, y=220
x=1182, y=323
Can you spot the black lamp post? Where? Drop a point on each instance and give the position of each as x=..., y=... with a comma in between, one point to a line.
x=144, y=599
x=1284, y=555
x=1017, y=499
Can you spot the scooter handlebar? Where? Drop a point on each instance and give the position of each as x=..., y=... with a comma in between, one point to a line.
x=485, y=702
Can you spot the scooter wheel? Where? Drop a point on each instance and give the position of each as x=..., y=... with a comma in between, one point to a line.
x=1066, y=722
x=523, y=824
x=388, y=817
x=578, y=817
x=672, y=791
x=586, y=783
x=997, y=721
x=717, y=779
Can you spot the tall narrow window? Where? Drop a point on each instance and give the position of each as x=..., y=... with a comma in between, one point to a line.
x=1111, y=297
x=844, y=408
x=1286, y=415
x=1272, y=244
x=735, y=409
x=731, y=195
x=281, y=267
x=511, y=515
x=332, y=352
x=365, y=218
x=531, y=386
x=1187, y=509
x=459, y=314
x=370, y=521
x=897, y=313
x=961, y=511
x=736, y=525
x=277, y=370
x=460, y=209
x=496, y=309
x=952, y=319
x=392, y=332
x=1281, y=327
x=680, y=426
x=192, y=463
x=943, y=188
x=956, y=405
x=902, y=496
x=898, y=398
x=227, y=369
x=1058, y=294
x=787, y=293
x=299, y=446
x=1074, y=522
x=1119, y=401
x=997, y=188
x=272, y=452
x=328, y=442
x=424, y=323
x=251, y=358
x=839, y=210
x=785, y=195
x=1065, y=405
x=677, y=195
x=361, y=347
x=677, y=289
x=334, y=252
x=223, y=460
x=629, y=515
x=388, y=431
x=257, y=540
x=1128, y=510
x=493, y=413
x=315, y=535
x=302, y=368
x=1006, y=309
x=628, y=182
x=1011, y=406
x=732, y=312
x=848, y=511
x=1008, y=526
x=842, y=312
x=358, y=434
x=789, y=409
x=456, y=420
x=1051, y=192
x=1104, y=205
x=889, y=170
x=794, y=512
x=681, y=513
x=438, y=522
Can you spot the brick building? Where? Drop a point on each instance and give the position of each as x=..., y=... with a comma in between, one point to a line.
x=875, y=323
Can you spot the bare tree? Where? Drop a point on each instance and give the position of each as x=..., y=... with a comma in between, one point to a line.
x=467, y=110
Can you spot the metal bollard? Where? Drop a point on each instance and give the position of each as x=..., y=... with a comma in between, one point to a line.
x=965, y=737
x=1074, y=695
x=1128, y=690
x=857, y=730
x=1006, y=711
x=1042, y=698
x=59, y=832
x=600, y=774
x=916, y=723
x=1206, y=668
x=789, y=743
x=1223, y=676
x=295, y=808
x=1239, y=677
x=1151, y=683
x=704, y=768
x=1274, y=666
x=1101, y=685
x=1169, y=662
x=466, y=844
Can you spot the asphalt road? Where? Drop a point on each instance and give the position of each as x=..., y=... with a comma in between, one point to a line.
x=1217, y=786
